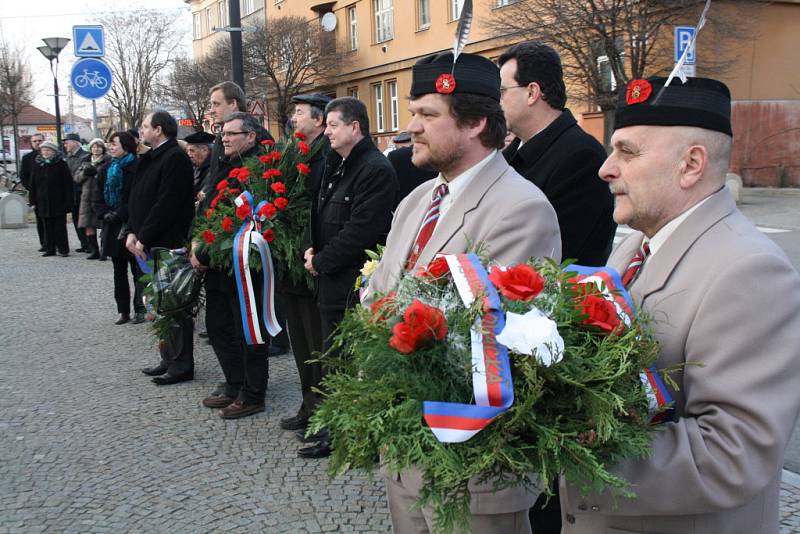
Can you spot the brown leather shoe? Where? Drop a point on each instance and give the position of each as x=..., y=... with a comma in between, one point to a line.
x=239, y=409
x=218, y=401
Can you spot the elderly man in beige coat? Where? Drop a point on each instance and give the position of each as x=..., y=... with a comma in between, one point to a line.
x=457, y=126
x=722, y=296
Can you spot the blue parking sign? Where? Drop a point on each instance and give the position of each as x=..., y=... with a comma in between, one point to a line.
x=683, y=38
x=91, y=78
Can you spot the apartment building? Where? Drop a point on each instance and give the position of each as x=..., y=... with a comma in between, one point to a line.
x=210, y=15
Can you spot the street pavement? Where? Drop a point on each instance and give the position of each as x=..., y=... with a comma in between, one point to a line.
x=89, y=444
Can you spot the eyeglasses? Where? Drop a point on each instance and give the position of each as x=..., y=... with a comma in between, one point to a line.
x=229, y=134
x=504, y=89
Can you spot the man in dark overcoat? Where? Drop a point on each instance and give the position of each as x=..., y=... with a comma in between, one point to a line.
x=73, y=155
x=352, y=214
x=160, y=212
x=555, y=153
x=26, y=171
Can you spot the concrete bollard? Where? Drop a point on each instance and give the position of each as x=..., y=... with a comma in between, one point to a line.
x=734, y=183
x=13, y=211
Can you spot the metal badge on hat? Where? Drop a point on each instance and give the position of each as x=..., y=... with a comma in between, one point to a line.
x=446, y=83
x=678, y=70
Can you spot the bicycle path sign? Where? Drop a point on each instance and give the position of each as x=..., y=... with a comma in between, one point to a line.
x=91, y=78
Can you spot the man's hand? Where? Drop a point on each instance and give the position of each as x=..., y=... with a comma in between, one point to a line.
x=308, y=256
x=130, y=242
x=200, y=196
x=135, y=246
x=196, y=265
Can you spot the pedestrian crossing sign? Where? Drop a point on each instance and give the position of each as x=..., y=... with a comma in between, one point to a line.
x=88, y=41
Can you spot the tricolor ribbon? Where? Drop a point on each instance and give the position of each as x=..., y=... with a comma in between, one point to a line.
x=491, y=370
x=250, y=232
x=611, y=288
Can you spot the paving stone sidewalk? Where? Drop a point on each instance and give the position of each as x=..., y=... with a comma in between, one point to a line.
x=89, y=444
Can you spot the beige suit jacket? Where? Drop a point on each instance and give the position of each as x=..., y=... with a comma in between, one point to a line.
x=499, y=209
x=724, y=295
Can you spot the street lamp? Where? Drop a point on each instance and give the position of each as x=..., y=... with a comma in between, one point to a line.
x=53, y=47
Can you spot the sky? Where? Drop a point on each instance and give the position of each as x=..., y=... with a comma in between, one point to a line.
x=24, y=23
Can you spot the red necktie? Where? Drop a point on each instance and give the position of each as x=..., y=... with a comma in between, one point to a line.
x=428, y=224
x=636, y=264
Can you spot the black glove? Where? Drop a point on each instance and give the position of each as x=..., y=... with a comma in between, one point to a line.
x=90, y=171
x=111, y=217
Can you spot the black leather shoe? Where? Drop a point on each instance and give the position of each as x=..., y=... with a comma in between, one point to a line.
x=42, y=249
x=294, y=423
x=123, y=318
x=321, y=449
x=172, y=379
x=277, y=350
x=138, y=318
x=81, y=249
x=313, y=438
x=46, y=254
x=155, y=370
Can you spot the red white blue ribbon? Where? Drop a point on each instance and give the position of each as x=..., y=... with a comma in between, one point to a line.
x=610, y=285
x=250, y=232
x=491, y=376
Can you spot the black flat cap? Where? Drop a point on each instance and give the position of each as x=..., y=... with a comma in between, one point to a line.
x=315, y=99
x=473, y=75
x=72, y=137
x=199, y=138
x=700, y=102
x=402, y=137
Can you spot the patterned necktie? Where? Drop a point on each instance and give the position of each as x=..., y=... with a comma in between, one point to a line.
x=428, y=224
x=636, y=264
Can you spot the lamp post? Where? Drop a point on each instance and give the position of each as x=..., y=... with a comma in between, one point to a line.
x=52, y=47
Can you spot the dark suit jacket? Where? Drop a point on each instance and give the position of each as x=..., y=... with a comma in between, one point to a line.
x=409, y=176
x=563, y=160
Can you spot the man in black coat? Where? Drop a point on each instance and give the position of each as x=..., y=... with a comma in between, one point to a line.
x=409, y=176
x=198, y=149
x=302, y=315
x=353, y=213
x=73, y=155
x=246, y=367
x=26, y=172
x=160, y=212
x=556, y=155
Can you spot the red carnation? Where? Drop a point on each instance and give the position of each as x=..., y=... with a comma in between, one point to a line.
x=243, y=211
x=227, y=224
x=638, y=91
x=600, y=313
x=278, y=187
x=303, y=169
x=281, y=203
x=303, y=147
x=209, y=236
x=244, y=174
x=233, y=192
x=215, y=200
x=383, y=307
x=275, y=155
x=209, y=213
x=234, y=172
x=268, y=142
x=268, y=210
x=269, y=235
x=300, y=135
x=435, y=269
x=265, y=159
x=271, y=173
x=520, y=282
x=222, y=184
x=421, y=323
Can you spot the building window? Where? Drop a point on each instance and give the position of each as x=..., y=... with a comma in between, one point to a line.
x=352, y=91
x=455, y=9
x=423, y=14
x=377, y=92
x=384, y=24
x=197, y=26
x=606, y=74
x=223, y=13
x=394, y=105
x=247, y=6
x=352, y=24
x=210, y=19
x=503, y=3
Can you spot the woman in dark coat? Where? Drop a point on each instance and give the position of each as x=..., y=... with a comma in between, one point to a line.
x=51, y=193
x=110, y=204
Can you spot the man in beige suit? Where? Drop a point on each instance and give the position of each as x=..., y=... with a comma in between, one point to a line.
x=457, y=128
x=722, y=295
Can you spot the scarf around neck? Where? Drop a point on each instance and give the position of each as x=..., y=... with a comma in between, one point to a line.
x=113, y=186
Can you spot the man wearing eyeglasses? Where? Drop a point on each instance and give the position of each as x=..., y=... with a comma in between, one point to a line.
x=554, y=153
x=244, y=366
x=26, y=168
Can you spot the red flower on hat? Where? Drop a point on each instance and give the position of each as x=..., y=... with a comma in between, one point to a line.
x=445, y=84
x=638, y=91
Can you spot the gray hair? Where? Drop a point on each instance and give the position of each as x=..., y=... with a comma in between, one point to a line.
x=249, y=122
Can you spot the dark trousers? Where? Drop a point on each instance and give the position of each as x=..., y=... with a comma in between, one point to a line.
x=177, y=349
x=282, y=339
x=55, y=234
x=122, y=290
x=546, y=518
x=245, y=367
x=80, y=232
x=329, y=321
x=305, y=333
x=40, y=228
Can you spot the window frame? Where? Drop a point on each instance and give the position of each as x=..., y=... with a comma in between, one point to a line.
x=394, y=106
x=456, y=6
x=420, y=11
x=377, y=96
x=383, y=18
x=352, y=27
x=197, y=25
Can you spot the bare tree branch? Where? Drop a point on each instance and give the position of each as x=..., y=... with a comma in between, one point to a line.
x=16, y=89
